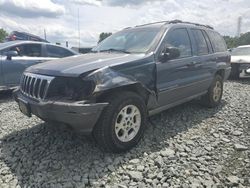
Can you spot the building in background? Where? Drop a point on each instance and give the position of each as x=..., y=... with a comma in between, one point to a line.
x=82, y=50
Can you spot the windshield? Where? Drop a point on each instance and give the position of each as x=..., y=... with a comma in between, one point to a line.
x=129, y=41
x=241, y=51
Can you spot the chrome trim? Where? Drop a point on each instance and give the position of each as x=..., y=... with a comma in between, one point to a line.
x=30, y=87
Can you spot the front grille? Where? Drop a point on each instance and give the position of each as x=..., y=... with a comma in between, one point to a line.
x=35, y=85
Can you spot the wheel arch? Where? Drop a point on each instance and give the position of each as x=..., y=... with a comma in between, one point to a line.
x=221, y=72
x=137, y=88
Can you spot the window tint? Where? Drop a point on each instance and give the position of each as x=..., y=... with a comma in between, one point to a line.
x=201, y=43
x=31, y=50
x=217, y=41
x=208, y=42
x=54, y=51
x=179, y=38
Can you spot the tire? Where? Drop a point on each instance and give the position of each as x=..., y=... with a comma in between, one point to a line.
x=214, y=94
x=235, y=72
x=110, y=130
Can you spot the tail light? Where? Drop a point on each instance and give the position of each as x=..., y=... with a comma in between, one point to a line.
x=13, y=37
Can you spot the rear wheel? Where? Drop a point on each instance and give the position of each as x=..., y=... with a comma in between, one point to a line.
x=122, y=123
x=214, y=94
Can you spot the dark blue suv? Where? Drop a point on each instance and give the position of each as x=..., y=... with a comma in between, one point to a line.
x=131, y=75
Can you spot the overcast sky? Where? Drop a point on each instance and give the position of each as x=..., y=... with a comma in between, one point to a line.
x=59, y=17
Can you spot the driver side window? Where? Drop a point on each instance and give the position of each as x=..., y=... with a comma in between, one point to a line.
x=179, y=39
x=30, y=50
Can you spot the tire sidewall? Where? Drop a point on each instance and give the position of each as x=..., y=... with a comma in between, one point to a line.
x=116, y=109
x=211, y=90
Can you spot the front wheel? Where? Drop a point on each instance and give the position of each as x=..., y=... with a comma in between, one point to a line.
x=214, y=94
x=122, y=123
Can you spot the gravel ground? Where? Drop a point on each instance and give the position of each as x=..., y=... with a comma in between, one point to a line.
x=187, y=146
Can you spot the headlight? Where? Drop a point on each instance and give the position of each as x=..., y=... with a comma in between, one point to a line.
x=71, y=88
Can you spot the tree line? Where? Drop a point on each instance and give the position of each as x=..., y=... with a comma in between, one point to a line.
x=243, y=39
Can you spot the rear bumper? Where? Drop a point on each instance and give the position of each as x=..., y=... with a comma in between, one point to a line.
x=243, y=68
x=79, y=115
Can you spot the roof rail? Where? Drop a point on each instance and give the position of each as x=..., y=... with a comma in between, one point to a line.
x=175, y=22
x=151, y=23
x=197, y=24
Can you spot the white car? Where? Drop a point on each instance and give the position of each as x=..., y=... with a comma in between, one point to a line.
x=240, y=62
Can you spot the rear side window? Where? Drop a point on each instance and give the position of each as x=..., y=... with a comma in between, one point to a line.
x=54, y=51
x=179, y=38
x=30, y=50
x=217, y=41
x=201, y=44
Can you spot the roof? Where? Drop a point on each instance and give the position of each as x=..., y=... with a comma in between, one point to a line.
x=15, y=42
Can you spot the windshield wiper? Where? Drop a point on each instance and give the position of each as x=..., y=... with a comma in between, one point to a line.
x=115, y=50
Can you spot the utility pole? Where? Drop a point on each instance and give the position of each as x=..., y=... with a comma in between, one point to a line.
x=45, y=35
x=239, y=26
x=79, y=33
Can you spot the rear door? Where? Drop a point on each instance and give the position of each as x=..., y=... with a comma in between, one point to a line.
x=203, y=58
x=176, y=78
x=221, y=56
x=28, y=54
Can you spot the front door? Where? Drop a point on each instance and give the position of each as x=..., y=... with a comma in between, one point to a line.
x=176, y=77
x=28, y=54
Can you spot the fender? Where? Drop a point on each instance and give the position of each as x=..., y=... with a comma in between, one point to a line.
x=108, y=80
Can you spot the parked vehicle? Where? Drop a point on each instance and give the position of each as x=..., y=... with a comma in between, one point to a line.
x=17, y=35
x=16, y=56
x=240, y=62
x=131, y=75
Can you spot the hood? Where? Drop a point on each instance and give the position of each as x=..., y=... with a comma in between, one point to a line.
x=240, y=59
x=76, y=65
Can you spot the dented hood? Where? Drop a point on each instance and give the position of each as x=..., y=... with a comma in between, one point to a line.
x=76, y=65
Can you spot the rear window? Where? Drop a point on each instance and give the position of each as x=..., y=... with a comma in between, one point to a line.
x=217, y=41
x=201, y=44
x=54, y=51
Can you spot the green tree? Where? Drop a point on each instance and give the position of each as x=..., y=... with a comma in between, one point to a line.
x=103, y=36
x=233, y=42
x=3, y=34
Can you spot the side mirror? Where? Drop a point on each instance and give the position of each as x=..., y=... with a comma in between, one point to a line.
x=11, y=54
x=169, y=53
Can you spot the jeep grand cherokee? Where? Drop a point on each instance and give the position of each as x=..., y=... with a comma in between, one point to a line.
x=131, y=75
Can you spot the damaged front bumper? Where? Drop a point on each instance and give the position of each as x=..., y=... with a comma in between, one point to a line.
x=80, y=115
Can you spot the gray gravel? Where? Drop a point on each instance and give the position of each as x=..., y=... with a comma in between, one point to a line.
x=187, y=146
